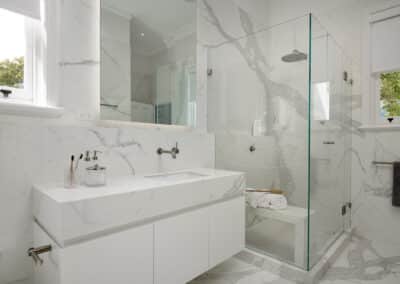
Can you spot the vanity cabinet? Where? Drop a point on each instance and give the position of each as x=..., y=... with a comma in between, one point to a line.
x=169, y=250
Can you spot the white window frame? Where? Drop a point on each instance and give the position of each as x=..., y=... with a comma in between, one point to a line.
x=371, y=106
x=28, y=93
x=42, y=77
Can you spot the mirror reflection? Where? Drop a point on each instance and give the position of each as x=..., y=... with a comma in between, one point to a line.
x=148, y=61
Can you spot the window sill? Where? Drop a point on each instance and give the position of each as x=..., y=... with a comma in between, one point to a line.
x=378, y=127
x=24, y=109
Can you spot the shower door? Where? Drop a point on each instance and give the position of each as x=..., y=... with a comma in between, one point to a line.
x=329, y=140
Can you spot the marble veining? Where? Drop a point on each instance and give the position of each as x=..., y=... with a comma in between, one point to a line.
x=253, y=56
x=40, y=153
x=283, y=105
x=117, y=145
x=236, y=271
x=237, y=187
x=365, y=261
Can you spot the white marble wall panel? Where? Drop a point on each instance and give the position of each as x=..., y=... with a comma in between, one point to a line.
x=373, y=215
x=250, y=82
x=233, y=152
x=79, y=58
x=230, y=14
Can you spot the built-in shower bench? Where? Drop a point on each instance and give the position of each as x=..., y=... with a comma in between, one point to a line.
x=298, y=217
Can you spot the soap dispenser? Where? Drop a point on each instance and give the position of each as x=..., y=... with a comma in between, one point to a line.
x=95, y=176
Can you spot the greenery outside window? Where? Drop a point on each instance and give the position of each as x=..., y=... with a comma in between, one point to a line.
x=17, y=62
x=389, y=91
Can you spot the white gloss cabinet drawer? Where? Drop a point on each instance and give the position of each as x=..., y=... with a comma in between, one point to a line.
x=181, y=247
x=188, y=245
x=227, y=230
x=125, y=257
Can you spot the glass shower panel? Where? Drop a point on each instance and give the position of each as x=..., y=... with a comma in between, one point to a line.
x=328, y=142
x=258, y=96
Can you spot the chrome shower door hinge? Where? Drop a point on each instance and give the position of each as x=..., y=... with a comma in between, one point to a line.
x=344, y=210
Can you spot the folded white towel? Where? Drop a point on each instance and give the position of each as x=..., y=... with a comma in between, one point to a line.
x=267, y=200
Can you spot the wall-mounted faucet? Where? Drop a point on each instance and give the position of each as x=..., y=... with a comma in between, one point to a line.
x=174, y=151
x=87, y=156
x=94, y=158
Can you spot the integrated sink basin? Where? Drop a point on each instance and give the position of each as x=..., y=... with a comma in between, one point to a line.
x=73, y=215
x=181, y=176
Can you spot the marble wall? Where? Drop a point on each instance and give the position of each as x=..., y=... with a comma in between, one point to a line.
x=241, y=51
x=251, y=85
x=374, y=217
x=35, y=150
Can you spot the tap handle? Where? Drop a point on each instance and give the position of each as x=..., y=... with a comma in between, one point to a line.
x=87, y=156
x=176, y=148
x=95, y=156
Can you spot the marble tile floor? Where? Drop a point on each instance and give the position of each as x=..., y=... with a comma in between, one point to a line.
x=366, y=262
x=362, y=262
x=236, y=271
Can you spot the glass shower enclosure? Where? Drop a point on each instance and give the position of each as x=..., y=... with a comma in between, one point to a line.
x=279, y=105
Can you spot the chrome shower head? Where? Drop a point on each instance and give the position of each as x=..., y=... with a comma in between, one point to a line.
x=295, y=56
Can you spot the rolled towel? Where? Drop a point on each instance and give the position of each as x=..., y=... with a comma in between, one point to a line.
x=267, y=200
x=273, y=201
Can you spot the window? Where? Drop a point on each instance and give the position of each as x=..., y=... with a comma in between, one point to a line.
x=385, y=65
x=17, y=64
x=389, y=88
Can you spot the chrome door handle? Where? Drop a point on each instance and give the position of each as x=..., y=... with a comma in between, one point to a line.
x=35, y=252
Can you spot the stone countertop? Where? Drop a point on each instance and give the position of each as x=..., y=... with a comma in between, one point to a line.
x=73, y=215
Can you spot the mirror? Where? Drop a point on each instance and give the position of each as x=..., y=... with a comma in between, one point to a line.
x=148, y=61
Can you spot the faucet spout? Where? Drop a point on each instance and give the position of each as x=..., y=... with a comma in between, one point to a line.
x=173, y=152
